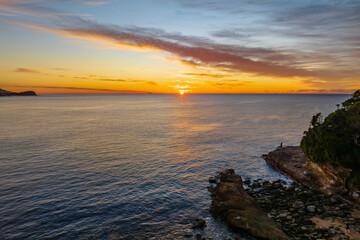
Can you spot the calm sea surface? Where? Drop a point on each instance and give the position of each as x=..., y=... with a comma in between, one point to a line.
x=129, y=166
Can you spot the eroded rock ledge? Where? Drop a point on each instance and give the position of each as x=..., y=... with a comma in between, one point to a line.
x=232, y=203
x=292, y=162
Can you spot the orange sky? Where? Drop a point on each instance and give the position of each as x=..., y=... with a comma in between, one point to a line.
x=88, y=48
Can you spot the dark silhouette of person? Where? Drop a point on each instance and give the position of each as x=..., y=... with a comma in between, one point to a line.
x=347, y=228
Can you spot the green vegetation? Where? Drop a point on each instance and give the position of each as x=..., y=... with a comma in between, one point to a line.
x=336, y=139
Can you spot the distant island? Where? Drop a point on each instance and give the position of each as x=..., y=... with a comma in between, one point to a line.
x=4, y=93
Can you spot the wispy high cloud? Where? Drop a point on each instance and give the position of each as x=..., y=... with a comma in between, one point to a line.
x=206, y=75
x=94, y=3
x=26, y=70
x=33, y=8
x=128, y=81
x=189, y=51
x=318, y=43
x=324, y=91
x=229, y=84
x=84, y=89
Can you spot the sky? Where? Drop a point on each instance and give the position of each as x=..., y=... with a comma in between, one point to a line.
x=168, y=46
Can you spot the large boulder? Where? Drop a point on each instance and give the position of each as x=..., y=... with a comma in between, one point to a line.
x=233, y=204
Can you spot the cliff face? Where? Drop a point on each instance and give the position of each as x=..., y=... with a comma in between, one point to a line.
x=292, y=162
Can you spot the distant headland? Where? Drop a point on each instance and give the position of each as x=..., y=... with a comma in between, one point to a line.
x=4, y=93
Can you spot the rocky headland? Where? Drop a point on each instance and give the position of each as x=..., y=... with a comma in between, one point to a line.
x=323, y=200
x=4, y=93
x=292, y=162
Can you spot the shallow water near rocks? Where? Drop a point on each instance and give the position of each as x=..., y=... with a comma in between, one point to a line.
x=134, y=166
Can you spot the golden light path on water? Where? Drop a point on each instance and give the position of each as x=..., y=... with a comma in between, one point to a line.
x=135, y=166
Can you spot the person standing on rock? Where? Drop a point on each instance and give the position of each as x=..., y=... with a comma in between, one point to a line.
x=347, y=228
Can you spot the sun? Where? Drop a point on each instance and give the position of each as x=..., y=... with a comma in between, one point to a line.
x=182, y=92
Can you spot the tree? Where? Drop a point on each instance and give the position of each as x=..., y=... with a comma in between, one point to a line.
x=335, y=140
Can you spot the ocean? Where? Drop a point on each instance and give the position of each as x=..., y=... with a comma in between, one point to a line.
x=135, y=166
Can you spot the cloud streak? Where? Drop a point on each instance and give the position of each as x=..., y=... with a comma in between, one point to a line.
x=85, y=89
x=206, y=75
x=318, y=30
x=324, y=91
x=94, y=3
x=128, y=81
x=26, y=70
x=193, y=52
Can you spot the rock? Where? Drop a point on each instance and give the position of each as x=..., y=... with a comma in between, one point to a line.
x=198, y=223
x=233, y=204
x=311, y=208
x=247, y=181
x=292, y=162
x=211, y=188
x=198, y=236
x=355, y=195
x=298, y=204
x=230, y=171
x=186, y=234
x=333, y=199
x=212, y=180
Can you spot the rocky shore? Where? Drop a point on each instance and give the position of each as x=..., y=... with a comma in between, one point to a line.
x=274, y=210
x=319, y=204
x=305, y=213
x=292, y=162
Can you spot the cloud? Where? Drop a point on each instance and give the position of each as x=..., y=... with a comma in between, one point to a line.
x=194, y=51
x=288, y=39
x=60, y=69
x=324, y=91
x=228, y=33
x=33, y=8
x=319, y=35
x=86, y=89
x=26, y=70
x=7, y=14
x=128, y=81
x=229, y=84
x=93, y=77
x=206, y=75
x=94, y=3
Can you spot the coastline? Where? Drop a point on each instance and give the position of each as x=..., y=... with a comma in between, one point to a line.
x=317, y=205
x=291, y=162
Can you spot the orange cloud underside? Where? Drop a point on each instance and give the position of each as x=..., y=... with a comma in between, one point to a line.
x=192, y=75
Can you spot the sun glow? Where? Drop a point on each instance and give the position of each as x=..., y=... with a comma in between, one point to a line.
x=182, y=92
